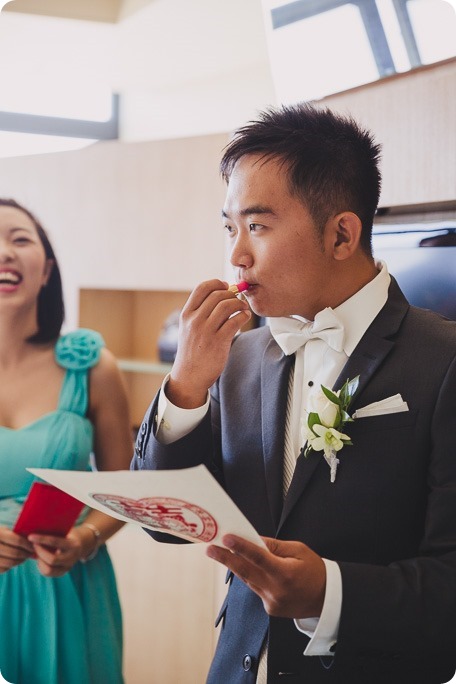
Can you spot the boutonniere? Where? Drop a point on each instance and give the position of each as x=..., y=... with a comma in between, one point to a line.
x=323, y=430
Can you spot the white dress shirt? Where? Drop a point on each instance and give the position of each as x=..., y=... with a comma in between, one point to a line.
x=316, y=364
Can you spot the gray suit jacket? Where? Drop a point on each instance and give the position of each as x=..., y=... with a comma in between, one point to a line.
x=389, y=520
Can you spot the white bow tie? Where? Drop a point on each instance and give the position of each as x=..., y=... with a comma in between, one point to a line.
x=293, y=333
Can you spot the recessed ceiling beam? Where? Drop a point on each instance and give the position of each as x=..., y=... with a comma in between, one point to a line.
x=408, y=36
x=69, y=128
x=90, y=10
x=304, y=9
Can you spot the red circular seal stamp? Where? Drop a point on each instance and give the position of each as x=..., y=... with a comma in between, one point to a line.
x=168, y=514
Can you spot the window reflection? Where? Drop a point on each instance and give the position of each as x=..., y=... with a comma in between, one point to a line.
x=325, y=53
x=319, y=47
x=434, y=26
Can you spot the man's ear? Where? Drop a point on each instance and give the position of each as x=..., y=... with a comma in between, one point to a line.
x=344, y=232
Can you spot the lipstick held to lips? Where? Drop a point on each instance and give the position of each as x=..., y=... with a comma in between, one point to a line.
x=237, y=288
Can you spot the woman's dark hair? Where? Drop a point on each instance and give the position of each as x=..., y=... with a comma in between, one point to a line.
x=51, y=310
x=331, y=162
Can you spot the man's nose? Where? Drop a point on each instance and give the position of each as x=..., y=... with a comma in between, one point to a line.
x=241, y=254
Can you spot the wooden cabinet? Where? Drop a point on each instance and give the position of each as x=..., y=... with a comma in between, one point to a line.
x=130, y=322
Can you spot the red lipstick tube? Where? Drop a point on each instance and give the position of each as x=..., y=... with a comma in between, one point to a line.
x=237, y=288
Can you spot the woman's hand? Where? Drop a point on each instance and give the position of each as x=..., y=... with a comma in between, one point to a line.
x=56, y=555
x=14, y=549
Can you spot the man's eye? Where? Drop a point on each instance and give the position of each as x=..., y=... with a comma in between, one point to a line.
x=253, y=227
x=229, y=229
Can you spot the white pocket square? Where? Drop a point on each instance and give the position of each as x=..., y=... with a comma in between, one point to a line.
x=394, y=404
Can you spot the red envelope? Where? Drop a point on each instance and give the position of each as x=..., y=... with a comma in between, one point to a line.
x=47, y=510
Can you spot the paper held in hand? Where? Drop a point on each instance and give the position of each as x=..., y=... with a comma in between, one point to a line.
x=188, y=503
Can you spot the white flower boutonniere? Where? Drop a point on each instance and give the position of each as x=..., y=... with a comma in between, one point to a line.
x=326, y=420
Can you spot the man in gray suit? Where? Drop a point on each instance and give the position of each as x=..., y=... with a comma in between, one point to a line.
x=357, y=580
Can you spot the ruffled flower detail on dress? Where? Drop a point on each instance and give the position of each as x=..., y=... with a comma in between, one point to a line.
x=79, y=350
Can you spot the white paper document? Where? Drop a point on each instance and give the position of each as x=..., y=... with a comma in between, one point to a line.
x=188, y=503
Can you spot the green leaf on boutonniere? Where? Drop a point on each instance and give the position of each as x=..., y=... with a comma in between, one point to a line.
x=348, y=390
x=313, y=419
x=331, y=396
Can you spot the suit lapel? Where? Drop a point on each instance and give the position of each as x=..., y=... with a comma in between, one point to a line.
x=373, y=348
x=275, y=372
x=376, y=343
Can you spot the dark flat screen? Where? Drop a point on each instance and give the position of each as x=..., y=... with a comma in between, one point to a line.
x=422, y=258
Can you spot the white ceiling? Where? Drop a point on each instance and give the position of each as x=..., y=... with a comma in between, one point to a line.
x=109, y=11
x=181, y=67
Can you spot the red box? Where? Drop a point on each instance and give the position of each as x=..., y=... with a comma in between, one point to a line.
x=47, y=510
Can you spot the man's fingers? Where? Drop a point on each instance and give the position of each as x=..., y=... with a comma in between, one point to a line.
x=201, y=292
x=253, y=552
x=241, y=556
x=259, y=556
x=285, y=549
x=242, y=568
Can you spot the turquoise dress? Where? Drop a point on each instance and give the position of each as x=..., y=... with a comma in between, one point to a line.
x=64, y=630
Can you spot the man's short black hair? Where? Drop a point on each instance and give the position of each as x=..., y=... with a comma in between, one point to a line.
x=331, y=161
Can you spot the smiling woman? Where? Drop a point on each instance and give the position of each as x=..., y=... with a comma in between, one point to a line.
x=61, y=397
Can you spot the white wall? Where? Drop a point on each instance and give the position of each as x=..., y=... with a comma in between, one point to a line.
x=182, y=67
x=127, y=215
x=190, y=68
x=55, y=67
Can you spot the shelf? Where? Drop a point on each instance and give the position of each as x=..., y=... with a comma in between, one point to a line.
x=138, y=366
x=131, y=322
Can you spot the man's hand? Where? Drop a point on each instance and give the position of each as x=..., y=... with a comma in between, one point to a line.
x=289, y=577
x=208, y=323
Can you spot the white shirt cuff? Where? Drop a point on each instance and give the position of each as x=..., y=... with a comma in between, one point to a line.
x=324, y=630
x=174, y=422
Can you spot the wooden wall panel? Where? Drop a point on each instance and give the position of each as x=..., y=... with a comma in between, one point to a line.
x=111, y=313
x=413, y=115
x=168, y=594
x=151, y=311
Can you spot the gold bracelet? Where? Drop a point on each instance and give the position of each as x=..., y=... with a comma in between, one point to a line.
x=97, y=535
